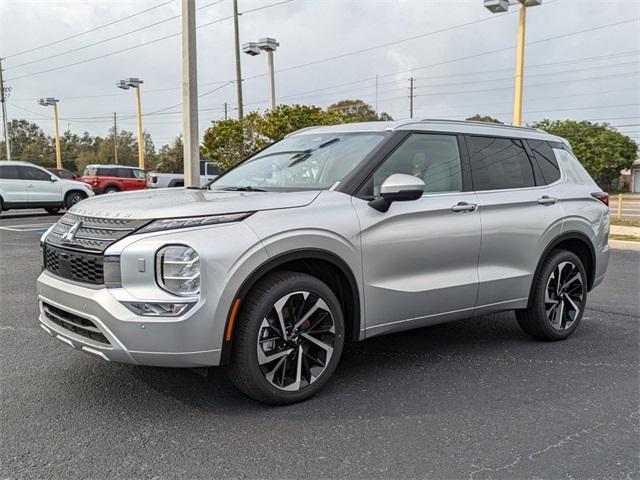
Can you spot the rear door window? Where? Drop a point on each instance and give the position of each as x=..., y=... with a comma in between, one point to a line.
x=124, y=173
x=31, y=173
x=546, y=160
x=106, y=172
x=499, y=163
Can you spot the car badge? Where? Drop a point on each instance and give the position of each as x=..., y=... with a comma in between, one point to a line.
x=70, y=235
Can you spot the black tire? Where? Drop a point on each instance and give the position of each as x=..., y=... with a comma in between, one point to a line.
x=53, y=211
x=549, y=316
x=72, y=198
x=111, y=190
x=245, y=371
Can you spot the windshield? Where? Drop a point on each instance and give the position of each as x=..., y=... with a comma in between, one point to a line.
x=306, y=161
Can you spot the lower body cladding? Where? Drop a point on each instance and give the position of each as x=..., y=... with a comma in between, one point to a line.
x=92, y=320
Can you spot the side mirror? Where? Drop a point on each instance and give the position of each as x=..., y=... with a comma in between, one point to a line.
x=398, y=188
x=54, y=178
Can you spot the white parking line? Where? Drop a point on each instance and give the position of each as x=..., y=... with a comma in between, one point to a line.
x=26, y=228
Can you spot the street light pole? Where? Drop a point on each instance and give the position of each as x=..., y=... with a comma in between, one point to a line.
x=500, y=6
x=57, y=130
x=190, y=96
x=269, y=45
x=517, y=98
x=140, y=135
x=272, y=80
x=115, y=138
x=53, y=102
x=135, y=83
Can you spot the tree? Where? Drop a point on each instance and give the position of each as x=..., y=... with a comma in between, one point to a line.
x=601, y=150
x=357, y=111
x=483, y=118
x=21, y=134
x=171, y=157
x=227, y=142
x=285, y=119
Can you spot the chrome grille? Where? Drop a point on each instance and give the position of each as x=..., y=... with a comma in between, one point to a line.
x=74, y=323
x=90, y=233
x=81, y=267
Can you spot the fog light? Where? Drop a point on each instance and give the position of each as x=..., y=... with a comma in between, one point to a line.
x=146, y=309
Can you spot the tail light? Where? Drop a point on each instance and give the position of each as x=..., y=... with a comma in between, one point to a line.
x=95, y=182
x=154, y=179
x=602, y=196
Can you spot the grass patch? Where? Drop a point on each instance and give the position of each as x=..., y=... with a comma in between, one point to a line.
x=625, y=222
x=624, y=238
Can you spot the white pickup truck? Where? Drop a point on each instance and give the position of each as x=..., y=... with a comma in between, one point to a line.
x=208, y=171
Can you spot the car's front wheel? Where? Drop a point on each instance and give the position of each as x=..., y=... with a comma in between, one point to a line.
x=288, y=339
x=72, y=198
x=558, y=298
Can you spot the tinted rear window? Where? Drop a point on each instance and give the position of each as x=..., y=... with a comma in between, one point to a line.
x=546, y=160
x=499, y=163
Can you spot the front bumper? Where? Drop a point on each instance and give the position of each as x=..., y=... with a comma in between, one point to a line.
x=93, y=321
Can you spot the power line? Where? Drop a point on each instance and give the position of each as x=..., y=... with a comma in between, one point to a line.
x=132, y=47
x=89, y=31
x=115, y=37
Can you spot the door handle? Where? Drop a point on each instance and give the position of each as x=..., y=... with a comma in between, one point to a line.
x=464, y=207
x=30, y=185
x=546, y=200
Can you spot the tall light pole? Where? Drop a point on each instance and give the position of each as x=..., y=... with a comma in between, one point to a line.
x=269, y=45
x=499, y=6
x=135, y=83
x=191, y=144
x=236, y=45
x=53, y=102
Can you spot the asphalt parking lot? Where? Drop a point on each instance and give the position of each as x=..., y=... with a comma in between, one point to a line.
x=472, y=399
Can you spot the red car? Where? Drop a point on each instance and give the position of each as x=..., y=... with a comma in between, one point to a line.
x=114, y=178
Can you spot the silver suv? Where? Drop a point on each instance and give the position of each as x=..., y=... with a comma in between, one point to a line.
x=333, y=234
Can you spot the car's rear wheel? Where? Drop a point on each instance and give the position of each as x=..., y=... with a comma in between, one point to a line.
x=288, y=339
x=111, y=190
x=53, y=211
x=558, y=298
x=73, y=197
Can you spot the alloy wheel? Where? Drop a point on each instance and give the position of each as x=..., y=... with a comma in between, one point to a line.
x=296, y=341
x=564, y=295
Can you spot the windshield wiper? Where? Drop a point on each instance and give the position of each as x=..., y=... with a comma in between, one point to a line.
x=247, y=188
x=307, y=153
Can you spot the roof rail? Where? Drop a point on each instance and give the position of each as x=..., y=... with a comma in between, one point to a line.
x=476, y=122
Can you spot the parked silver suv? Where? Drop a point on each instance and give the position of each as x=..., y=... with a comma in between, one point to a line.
x=332, y=234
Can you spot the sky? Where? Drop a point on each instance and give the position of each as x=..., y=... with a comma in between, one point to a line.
x=582, y=59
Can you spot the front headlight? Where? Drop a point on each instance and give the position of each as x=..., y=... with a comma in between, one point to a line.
x=186, y=222
x=178, y=270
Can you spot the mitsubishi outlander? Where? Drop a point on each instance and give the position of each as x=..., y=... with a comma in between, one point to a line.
x=333, y=234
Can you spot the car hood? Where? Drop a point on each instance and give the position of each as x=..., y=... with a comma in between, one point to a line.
x=182, y=202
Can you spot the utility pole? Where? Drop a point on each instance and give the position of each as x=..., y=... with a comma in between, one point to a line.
x=190, y=96
x=411, y=97
x=376, y=94
x=115, y=138
x=236, y=33
x=5, y=125
x=225, y=111
x=272, y=80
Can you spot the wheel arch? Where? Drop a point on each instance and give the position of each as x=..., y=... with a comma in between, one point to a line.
x=322, y=264
x=112, y=185
x=575, y=242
